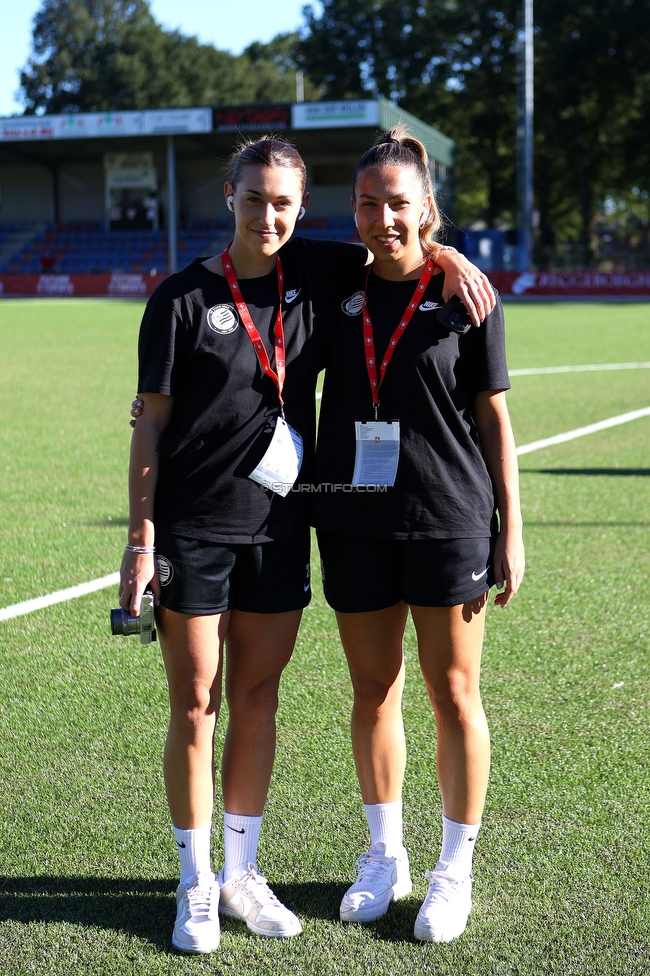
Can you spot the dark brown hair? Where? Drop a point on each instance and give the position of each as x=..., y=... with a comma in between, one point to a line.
x=267, y=151
x=397, y=148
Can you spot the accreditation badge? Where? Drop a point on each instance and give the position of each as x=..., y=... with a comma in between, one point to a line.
x=280, y=465
x=377, y=453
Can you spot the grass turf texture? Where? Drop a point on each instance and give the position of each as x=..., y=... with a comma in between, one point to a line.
x=87, y=863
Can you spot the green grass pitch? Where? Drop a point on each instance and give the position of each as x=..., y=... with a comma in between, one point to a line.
x=87, y=864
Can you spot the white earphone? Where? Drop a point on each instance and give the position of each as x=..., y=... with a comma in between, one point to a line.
x=229, y=203
x=301, y=213
x=423, y=219
x=356, y=220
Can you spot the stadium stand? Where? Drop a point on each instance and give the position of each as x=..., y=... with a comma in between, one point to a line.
x=86, y=247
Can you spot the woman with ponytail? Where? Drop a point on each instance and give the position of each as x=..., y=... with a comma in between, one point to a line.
x=414, y=426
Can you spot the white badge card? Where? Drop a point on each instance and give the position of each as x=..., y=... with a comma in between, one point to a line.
x=377, y=454
x=280, y=465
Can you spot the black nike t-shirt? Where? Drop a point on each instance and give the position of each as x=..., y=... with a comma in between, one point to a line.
x=194, y=347
x=442, y=488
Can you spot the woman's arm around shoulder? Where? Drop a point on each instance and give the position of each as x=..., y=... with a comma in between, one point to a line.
x=138, y=568
x=498, y=446
x=464, y=279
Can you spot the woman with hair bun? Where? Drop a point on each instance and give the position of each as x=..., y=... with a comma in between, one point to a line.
x=414, y=424
x=229, y=352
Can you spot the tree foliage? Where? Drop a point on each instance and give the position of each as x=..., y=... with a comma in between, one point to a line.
x=96, y=55
x=454, y=64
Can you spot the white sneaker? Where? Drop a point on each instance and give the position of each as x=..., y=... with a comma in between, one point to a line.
x=196, y=928
x=381, y=880
x=247, y=896
x=445, y=909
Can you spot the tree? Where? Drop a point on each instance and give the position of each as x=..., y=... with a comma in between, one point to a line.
x=280, y=55
x=450, y=63
x=98, y=55
x=593, y=63
x=454, y=65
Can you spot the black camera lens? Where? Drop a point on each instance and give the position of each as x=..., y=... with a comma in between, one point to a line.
x=123, y=624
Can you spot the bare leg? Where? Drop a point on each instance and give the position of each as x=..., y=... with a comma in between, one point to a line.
x=373, y=646
x=450, y=640
x=191, y=648
x=258, y=647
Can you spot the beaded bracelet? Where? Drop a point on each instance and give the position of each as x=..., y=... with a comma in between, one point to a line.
x=140, y=549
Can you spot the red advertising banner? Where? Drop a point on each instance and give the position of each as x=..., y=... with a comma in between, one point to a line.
x=510, y=284
x=571, y=284
x=119, y=285
x=250, y=118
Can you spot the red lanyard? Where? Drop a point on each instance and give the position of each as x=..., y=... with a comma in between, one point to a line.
x=258, y=345
x=368, y=339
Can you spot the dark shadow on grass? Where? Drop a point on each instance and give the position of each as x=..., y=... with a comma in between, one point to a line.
x=108, y=523
x=146, y=908
x=321, y=900
x=397, y=925
x=312, y=899
x=604, y=472
x=137, y=906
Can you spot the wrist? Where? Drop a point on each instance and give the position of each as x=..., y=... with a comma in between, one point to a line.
x=141, y=536
x=444, y=252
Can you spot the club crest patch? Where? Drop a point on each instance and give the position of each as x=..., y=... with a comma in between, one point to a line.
x=353, y=305
x=223, y=319
x=165, y=570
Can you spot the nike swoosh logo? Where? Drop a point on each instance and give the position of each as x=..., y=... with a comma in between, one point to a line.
x=238, y=900
x=180, y=845
x=290, y=296
x=236, y=829
x=476, y=576
x=306, y=587
x=429, y=306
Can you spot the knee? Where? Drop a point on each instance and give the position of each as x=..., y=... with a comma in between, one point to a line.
x=259, y=700
x=194, y=708
x=456, y=700
x=373, y=695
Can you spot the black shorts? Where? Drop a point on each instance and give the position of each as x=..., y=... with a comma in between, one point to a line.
x=205, y=578
x=361, y=575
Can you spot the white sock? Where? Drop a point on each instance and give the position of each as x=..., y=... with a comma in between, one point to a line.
x=194, y=851
x=385, y=823
x=240, y=839
x=458, y=841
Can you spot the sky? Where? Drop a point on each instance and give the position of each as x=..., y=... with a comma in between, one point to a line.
x=230, y=26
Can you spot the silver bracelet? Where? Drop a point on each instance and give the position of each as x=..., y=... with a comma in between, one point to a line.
x=139, y=549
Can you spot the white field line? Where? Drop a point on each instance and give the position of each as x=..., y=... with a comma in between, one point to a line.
x=538, y=371
x=570, y=435
x=39, y=602
x=18, y=609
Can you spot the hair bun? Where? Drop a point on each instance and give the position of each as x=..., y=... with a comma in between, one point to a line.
x=400, y=136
